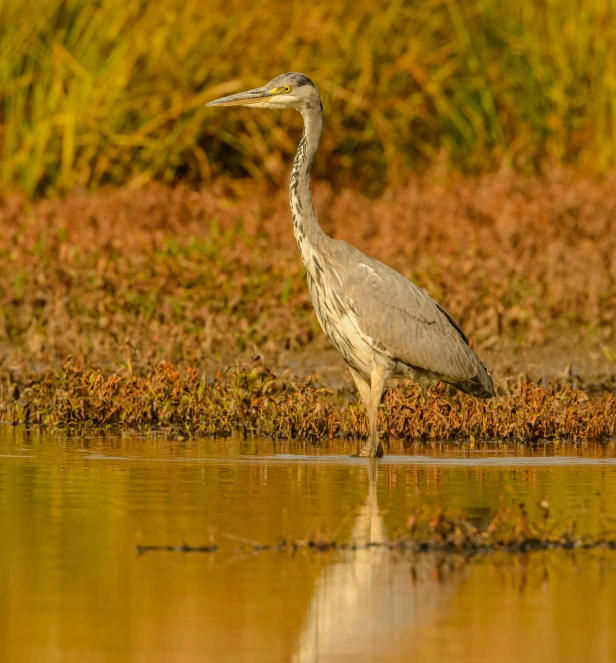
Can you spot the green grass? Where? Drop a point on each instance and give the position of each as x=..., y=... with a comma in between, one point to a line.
x=113, y=91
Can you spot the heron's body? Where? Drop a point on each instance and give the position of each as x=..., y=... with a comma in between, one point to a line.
x=383, y=325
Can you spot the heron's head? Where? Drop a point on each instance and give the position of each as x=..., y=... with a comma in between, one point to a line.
x=291, y=90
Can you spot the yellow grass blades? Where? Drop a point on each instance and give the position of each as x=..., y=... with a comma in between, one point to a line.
x=112, y=92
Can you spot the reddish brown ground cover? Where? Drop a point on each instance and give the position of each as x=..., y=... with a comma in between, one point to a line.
x=121, y=280
x=256, y=401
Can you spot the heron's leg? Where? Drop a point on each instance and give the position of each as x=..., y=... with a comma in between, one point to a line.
x=362, y=386
x=365, y=393
x=378, y=379
x=371, y=395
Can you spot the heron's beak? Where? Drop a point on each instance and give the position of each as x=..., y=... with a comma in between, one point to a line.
x=258, y=95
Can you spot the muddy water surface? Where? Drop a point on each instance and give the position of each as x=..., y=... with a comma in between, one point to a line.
x=73, y=588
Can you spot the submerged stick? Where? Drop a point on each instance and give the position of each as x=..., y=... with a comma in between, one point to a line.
x=408, y=545
x=184, y=548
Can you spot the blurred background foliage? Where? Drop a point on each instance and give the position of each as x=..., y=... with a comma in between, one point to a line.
x=112, y=91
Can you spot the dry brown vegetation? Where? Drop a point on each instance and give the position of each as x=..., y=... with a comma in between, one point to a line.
x=124, y=280
x=258, y=402
x=187, y=276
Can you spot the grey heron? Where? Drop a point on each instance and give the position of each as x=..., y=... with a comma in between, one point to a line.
x=383, y=324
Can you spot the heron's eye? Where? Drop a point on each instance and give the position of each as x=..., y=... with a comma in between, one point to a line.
x=286, y=89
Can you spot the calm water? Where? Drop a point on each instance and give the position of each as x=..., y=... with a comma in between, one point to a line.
x=73, y=588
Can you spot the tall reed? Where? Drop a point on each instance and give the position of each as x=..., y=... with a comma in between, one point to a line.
x=113, y=91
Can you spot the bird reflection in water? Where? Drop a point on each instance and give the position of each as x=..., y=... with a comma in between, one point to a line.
x=371, y=602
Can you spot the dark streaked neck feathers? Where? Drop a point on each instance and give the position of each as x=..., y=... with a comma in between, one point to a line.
x=306, y=227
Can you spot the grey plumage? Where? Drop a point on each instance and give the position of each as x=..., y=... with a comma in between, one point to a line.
x=382, y=323
x=402, y=323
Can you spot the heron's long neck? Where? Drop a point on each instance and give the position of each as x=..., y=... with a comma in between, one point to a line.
x=306, y=227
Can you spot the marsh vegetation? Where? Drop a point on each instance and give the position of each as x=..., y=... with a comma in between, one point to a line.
x=164, y=384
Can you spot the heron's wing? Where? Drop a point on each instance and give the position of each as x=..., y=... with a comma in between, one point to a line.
x=402, y=322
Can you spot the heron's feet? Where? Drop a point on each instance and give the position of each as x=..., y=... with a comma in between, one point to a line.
x=370, y=450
